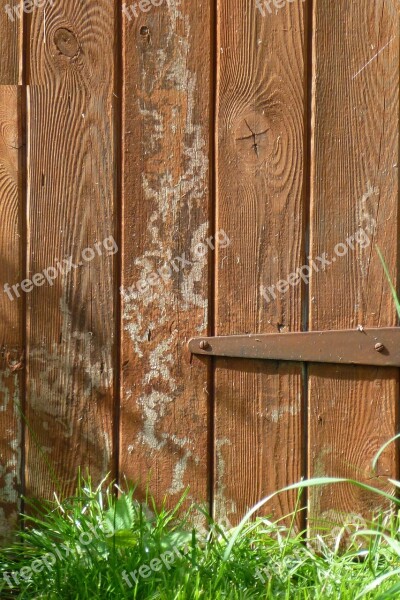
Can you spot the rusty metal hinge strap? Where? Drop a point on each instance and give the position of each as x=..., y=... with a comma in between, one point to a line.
x=371, y=346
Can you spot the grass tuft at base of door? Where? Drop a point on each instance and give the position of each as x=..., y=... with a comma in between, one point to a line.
x=95, y=546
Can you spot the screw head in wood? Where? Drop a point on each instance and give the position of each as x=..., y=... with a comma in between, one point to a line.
x=379, y=347
x=204, y=345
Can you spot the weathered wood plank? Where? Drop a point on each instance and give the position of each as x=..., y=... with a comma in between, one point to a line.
x=260, y=204
x=353, y=410
x=11, y=32
x=259, y=436
x=166, y=213
x=11, y=310
x=71, y=213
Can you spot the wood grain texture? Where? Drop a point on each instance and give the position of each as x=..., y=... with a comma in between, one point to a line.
x=353, y=411
x=11, y=311
x=260, y=415
x=71, y=207
x=166, y=119
x=260, y=204
x=11, y=31
x=73, y=43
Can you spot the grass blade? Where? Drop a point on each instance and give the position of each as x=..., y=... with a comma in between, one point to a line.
x=392, y=288
x=382, y=449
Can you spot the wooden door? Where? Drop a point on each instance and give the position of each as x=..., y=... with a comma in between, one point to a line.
x=220, y=147
x=307, y=159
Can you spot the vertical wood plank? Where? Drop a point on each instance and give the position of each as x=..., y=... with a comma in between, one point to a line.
x=260, y=204
x=353, y=410
x=11, y=31
x=11, y=310
x=166, y=213
x=71, y=208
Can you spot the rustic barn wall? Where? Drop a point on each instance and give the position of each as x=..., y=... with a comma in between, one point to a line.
x=164, y=168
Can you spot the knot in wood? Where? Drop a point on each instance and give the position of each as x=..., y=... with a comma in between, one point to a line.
x=253, y=135
x=66, y=42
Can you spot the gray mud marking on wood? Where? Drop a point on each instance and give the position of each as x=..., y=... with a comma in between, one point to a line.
x=164, y=416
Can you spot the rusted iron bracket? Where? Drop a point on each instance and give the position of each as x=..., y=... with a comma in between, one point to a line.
x=379, y=347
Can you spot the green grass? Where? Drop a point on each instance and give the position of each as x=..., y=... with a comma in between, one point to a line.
x=390, y=281
x=212, y=564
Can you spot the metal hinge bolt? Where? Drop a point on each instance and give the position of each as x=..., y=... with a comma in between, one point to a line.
x=379, y=347
x=204, y=345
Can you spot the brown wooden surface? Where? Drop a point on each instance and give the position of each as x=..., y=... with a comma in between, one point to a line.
x=11, y=32
x=293, y=118
x=353, y=410
x=11, y=311
x=71, y=206
x=166, y=212
x=260, y=204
